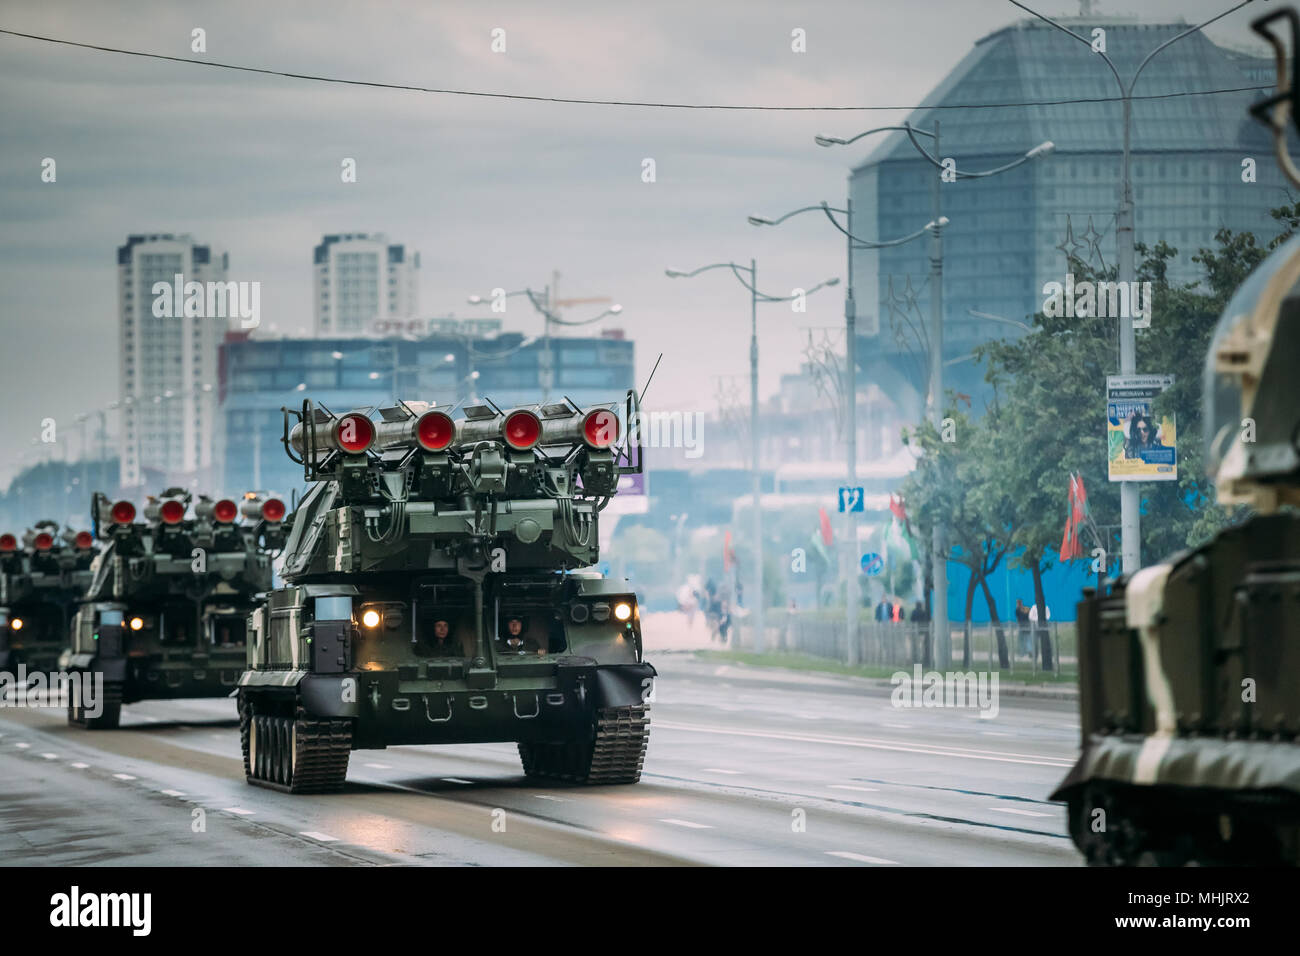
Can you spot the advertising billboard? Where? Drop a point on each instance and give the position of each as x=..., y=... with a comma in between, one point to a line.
x=1138, y=446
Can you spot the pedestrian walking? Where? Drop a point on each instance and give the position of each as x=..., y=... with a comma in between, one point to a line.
x=1022, y=620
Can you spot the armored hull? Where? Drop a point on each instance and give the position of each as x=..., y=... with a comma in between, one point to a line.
x=41, y=637
x=165, y=614
x=1191, y=722
x=440, y=594
x=41, y=581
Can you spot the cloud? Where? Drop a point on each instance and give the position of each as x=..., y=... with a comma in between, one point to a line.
x=492, y=192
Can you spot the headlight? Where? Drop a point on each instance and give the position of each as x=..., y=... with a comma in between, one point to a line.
x=137, y=623
x=622, y=611
x=17, y=624
x=370, y=618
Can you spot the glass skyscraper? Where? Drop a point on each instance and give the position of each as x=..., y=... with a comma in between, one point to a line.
x=1008, y=234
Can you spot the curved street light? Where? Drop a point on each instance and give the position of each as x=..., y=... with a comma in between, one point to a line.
x=541, y=304
x=997, y=318
x=1130, y=503
x=851, y=364
x=942, y=641
x=755, y=296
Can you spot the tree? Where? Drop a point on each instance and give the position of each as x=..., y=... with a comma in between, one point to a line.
x=1046, y=384
x=958, y=480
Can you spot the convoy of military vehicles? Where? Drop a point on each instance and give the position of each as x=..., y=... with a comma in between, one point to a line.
x=438, y=587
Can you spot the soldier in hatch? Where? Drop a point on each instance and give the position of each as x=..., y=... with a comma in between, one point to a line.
x=514, y=640
x=445, y=643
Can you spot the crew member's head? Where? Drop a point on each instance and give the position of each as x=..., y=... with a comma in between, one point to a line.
x=515, y=626
x=441, y=630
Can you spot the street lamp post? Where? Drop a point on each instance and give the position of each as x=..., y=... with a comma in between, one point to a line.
x=989, y=316
x=848, y=549
x=942, y=637
x=756, y=582
x=941, y=642
x=1129, y=496
x=542, y=304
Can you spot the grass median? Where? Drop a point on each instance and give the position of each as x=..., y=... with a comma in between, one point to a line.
x=806, y=662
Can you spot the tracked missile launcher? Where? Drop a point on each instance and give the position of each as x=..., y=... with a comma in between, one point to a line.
x=1189, y=670
x=440, y=590
x=42, y=577
x=165, y=611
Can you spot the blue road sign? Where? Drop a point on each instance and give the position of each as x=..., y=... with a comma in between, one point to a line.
x=872, y=563
x=851, y=499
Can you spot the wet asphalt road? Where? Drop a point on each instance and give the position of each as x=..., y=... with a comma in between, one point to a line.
x=746, y=766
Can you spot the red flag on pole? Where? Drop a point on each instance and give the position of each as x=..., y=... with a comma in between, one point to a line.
x=827, y=538
x=1070, y=547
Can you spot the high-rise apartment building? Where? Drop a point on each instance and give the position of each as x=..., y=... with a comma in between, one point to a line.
x=168, y=359
x=359, y=279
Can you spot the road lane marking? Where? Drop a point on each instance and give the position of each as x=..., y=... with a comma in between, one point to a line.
x=50, y=756
x=237, y=810
x=861, y=858
x=872, y=743
x=321, y=837
x=686, y=823
x=173, y=793
x=845, y=786
x=22, y=746
x=465, y=783
x=80, y=766
x=1023, y=813
x=123, y=776
x=547, y=796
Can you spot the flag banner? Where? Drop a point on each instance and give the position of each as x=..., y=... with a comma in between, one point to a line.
x=1138, y=448
x=1075, y=510
x=898, y=539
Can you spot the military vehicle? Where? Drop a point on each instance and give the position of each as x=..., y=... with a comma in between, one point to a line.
x=42, y=576
x=440, y=590
x=165, y=611
x=1189, y=670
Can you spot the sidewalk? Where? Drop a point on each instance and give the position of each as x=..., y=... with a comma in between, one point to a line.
x=668, y=632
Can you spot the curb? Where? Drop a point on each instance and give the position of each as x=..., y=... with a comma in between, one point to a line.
x=776, y=671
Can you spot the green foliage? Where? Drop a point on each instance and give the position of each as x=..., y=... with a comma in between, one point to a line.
x=1000, y=488
x=959, y=481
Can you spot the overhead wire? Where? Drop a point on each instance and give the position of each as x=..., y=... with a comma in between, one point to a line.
x=593, y=101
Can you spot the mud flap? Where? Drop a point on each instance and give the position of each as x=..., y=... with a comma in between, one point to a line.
x=331, y=696
x=598, y=686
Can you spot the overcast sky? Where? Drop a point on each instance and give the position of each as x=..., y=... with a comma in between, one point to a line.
x=491, y=192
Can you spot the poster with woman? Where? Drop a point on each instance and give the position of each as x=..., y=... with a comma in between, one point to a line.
x=1139, y=447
